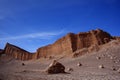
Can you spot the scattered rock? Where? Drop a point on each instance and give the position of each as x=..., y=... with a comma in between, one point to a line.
x=23, y=64
x=111, y=57
x=115, y=62
x=98, y=58
x=24, y=71
x=101, y=66
x=70, y=69
x=103, y=55
x=114, y=69
x=79, y=64
x=55, y=67
x=118, y=70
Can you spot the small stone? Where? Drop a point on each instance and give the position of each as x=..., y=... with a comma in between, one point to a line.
x=24, y=71
x=98, y=58
x=114, y=69
x=70, y=69
x=118, y=70
x=79, y=64
x=111, y=57
x=101, y=66
x=116, y=61
x=23, y=64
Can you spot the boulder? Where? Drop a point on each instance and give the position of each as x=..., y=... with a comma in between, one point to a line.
x=55, y=67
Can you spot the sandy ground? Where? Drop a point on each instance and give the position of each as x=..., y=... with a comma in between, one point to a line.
x=35, y=69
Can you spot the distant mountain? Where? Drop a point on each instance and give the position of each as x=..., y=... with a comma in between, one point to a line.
x=68, y=44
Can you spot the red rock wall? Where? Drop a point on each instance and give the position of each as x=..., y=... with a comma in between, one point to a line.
x=72, y=42
x=61, y=46
x=85, y=40
x=65, y=45
x=16, y=52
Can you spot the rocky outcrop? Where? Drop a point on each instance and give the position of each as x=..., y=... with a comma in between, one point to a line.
x=116, y=38
x=55, y=67
x=63, y=45
x=79, y=44
x=17, y=53
x=72, y=42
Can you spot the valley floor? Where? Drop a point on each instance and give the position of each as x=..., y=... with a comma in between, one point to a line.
x=109, y=57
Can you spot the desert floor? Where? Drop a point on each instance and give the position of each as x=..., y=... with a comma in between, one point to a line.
x=109, y=55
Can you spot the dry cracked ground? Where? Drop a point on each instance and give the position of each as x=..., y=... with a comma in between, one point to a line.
x=101, y=65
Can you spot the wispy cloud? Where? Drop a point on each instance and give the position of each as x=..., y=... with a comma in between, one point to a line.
x=41, y=35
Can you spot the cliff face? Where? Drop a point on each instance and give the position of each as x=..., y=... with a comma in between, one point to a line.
x=72, y=42
x=65, y=45
x=61, y=46
x=17, y=53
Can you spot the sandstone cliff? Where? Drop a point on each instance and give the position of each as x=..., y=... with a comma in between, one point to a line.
x=17, y=53
x=69, y=44
x=72, y=42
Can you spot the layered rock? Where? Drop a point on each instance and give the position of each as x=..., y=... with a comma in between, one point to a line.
x=17, y=53
x=72, y=42
x=69, y=44
x=116, y=38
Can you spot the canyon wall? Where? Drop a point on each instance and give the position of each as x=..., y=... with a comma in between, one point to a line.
x=72, y=42
x=65, y=45
x=17, y=53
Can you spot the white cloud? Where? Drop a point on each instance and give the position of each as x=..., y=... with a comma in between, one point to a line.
x=42, y=35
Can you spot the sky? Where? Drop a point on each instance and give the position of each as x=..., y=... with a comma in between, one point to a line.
x=31, y=24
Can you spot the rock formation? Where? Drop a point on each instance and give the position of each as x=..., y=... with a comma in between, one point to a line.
x=55, y=67
x=17, y=53
x=73, y=42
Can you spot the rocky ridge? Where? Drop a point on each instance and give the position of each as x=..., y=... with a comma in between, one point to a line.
x=16, y=52
x=66, y=45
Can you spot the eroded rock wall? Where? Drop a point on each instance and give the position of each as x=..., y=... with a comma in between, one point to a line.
x=65, y=45
x=17, y=53
x=61, y=46
x=72, y=42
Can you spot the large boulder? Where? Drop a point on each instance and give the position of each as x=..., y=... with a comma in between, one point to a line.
x=55, y=67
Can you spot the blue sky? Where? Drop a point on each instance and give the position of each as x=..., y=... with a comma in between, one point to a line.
x=31, y=24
